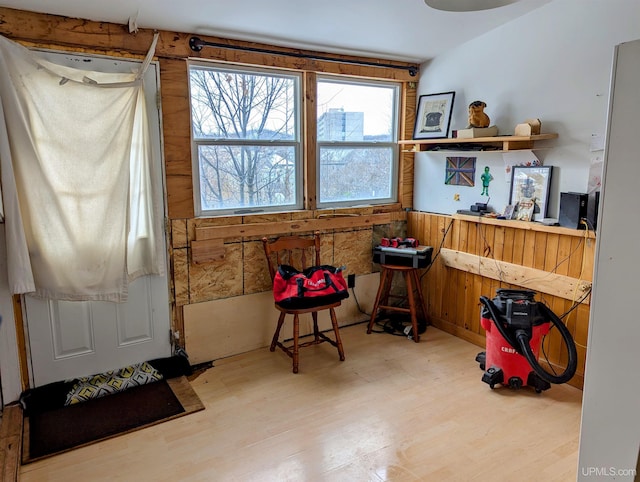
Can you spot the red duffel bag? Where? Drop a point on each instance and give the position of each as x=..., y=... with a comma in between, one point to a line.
x=315, y=286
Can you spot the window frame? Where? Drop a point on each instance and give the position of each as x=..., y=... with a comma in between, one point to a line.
x=296, y=142
x=392, y=144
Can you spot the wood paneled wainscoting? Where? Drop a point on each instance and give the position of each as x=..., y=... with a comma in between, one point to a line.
x=474, y=256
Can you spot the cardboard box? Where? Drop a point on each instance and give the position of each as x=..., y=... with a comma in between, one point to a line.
x=474, y=132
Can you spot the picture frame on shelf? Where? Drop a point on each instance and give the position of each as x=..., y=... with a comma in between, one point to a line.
x=530, y=183
x=508, y=211
x=433, y=116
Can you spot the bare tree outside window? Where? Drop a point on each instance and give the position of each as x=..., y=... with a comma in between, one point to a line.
x=245, y=128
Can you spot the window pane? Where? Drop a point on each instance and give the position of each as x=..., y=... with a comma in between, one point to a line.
x=357, y=135
x=355, y=112
x=246, y=136
x=349, y=174
x=228, y=104
x=244, y=176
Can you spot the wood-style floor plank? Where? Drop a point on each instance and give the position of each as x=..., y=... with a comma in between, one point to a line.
x=393, y=411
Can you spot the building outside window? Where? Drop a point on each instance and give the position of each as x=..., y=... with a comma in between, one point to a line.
x=357, y=123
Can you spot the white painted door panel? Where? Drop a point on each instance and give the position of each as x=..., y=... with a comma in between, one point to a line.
x=75, y=338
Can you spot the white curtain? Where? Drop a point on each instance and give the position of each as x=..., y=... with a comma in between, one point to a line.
x=80, y=216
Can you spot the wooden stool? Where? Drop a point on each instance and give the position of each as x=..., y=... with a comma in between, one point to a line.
x=412, y=282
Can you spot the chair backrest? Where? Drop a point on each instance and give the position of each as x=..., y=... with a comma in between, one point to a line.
x=296, y=251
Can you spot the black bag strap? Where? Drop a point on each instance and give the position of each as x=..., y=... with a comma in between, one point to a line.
x=287, y=271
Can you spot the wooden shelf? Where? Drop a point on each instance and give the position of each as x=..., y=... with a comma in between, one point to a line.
x=499, y=143
x=526, y=225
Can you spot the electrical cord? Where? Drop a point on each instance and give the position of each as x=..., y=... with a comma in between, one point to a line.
x=589, y=225
x=358, y=304
x=563, y=316
x=391, y=325
x=444, y=237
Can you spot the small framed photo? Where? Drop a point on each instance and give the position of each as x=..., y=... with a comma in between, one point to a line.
x=433, y=117
x=530, y=191
x=508, y=211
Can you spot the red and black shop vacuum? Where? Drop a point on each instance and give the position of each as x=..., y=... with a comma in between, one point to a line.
x=515, y=324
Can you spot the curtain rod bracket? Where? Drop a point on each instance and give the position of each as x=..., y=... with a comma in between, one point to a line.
x=196, y=45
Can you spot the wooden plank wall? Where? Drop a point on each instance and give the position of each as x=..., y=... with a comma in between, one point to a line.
x=452, y=294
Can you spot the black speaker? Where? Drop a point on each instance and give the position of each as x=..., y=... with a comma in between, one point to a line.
x=573, y=207
x=592, y=209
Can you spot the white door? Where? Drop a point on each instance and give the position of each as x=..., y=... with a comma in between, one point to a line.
x=68, y=339
x=75, y=338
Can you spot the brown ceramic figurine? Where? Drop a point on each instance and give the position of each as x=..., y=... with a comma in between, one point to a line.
x=477, y=117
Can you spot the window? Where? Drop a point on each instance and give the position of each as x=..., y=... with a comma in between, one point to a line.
x=357, y=142
x=246, y=139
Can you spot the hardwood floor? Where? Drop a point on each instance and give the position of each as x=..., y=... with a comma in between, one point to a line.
x=393, y=411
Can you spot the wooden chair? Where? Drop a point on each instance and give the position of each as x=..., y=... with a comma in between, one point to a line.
x=301, y=253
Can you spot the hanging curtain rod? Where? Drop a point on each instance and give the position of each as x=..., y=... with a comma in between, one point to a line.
x=196, y=45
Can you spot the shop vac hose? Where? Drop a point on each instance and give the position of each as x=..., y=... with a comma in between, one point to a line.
x=572, y=364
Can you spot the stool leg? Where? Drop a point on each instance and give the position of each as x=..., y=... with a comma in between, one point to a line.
x=388, y=281
x=412, y=305
x=381, y=289
x=423, y=305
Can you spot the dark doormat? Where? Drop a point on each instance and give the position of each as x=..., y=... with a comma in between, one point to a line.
x=60, y=429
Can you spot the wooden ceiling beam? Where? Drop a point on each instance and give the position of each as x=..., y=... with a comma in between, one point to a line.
x=47, y=30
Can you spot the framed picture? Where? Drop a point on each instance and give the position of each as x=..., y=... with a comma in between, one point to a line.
x=508, y=212
x=530, y=191
x=434, y=116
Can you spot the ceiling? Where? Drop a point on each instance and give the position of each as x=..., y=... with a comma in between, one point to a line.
x=406, y=30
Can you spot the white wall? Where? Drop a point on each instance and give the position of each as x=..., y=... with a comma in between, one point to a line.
x=553, y=64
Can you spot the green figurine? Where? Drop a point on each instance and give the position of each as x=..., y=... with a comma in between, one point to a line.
x=486, y=178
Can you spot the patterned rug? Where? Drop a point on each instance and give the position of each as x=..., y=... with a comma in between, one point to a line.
x=96, y=386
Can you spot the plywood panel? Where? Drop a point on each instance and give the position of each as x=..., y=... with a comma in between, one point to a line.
x=255, y=270
x=180, y=262
x=221, y=279
x=179, y=233
x=352, y=249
